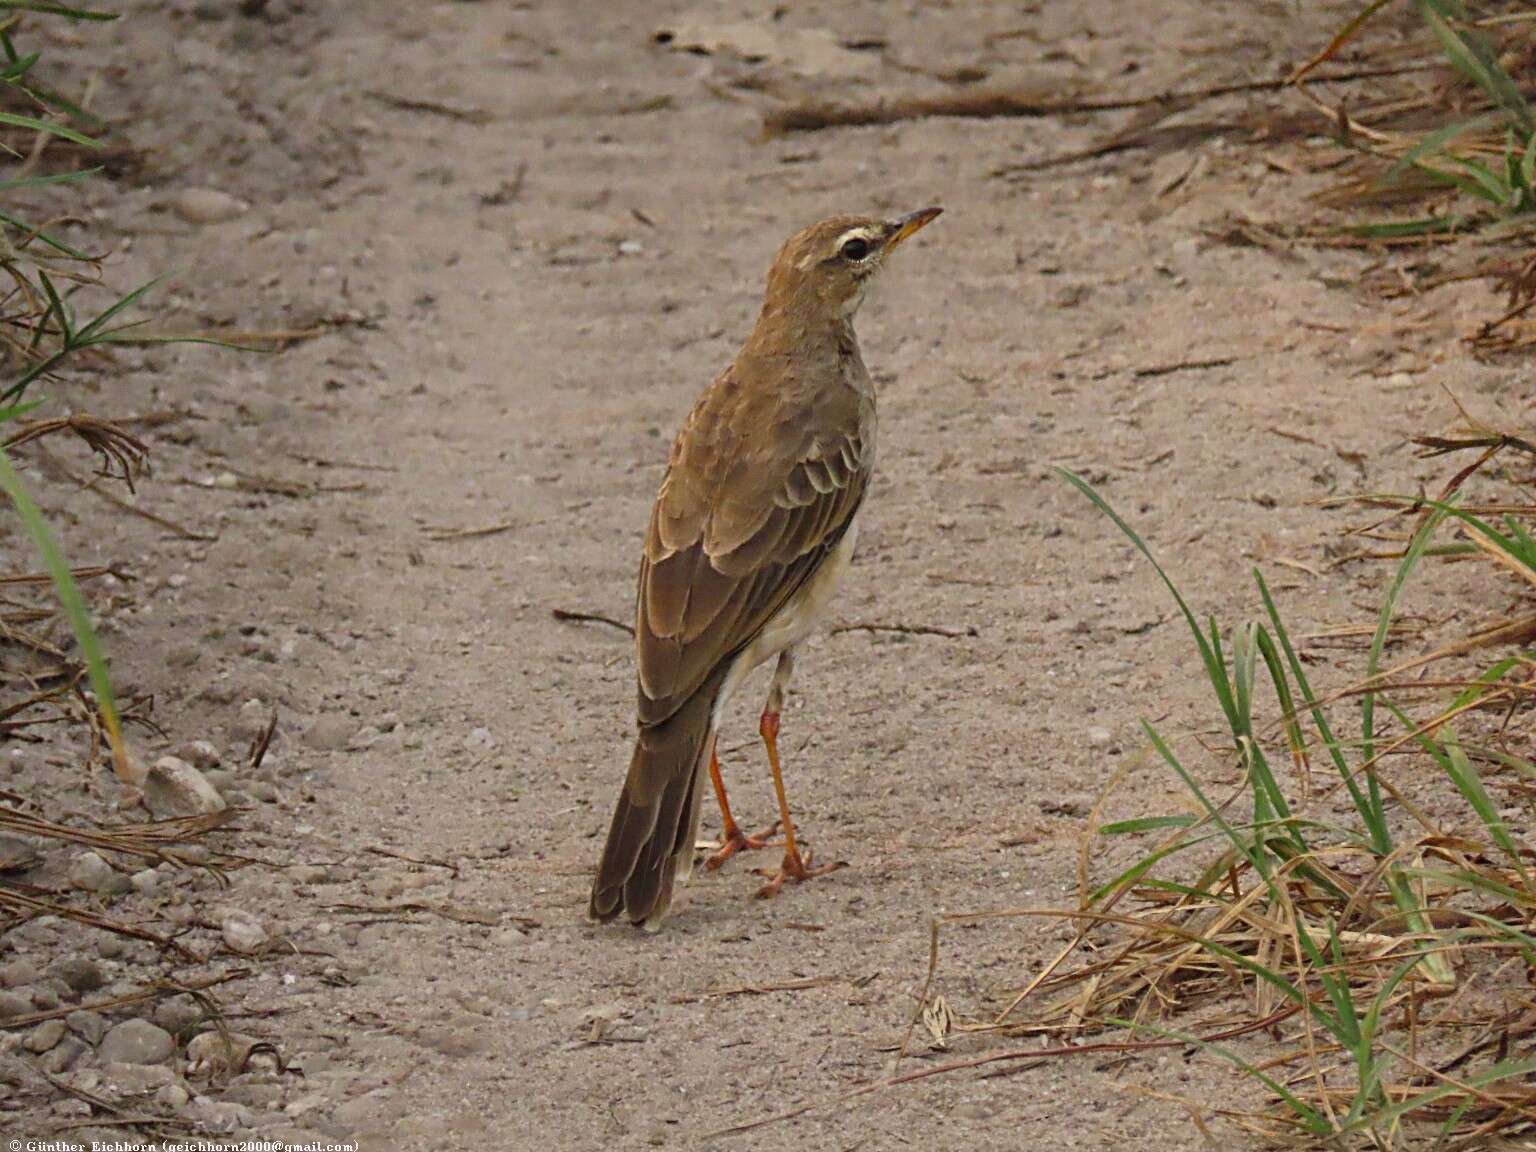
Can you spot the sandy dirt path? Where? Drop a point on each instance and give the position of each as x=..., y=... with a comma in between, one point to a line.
x=553, y=232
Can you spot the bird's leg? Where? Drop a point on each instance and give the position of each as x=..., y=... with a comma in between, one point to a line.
x=795, y=866
x=734, y=839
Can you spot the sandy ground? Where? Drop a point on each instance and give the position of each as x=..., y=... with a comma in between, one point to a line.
x=534, y=235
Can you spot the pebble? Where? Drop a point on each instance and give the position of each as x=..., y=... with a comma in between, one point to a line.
x=17, y=973
x=206, y=205
x=308, y=874
x=1100, y=737
x=45, y=1036
x=17, y=854
x=481, y=740
x=221, y=1116
x=90, y=873
x=89, y=1026
x=453, y=1040
x=137, y=1079
x=201, y=754
x=64, y=1055
x=264, y=791
x=364, y=737
x=136, y=1042
x=79, y=974
x=178, y=1014
x=360, y=1109
x=243, y=932
x=173, y=1096
x=330, y=733
x=145, y=882
x=253, y=720
x=175, y=788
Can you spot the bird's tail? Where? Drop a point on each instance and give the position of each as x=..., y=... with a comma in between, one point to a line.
x=657, y=817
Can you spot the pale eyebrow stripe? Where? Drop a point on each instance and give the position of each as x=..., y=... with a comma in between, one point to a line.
x=862, y=232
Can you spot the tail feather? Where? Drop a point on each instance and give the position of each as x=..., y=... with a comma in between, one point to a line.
x=656, y=819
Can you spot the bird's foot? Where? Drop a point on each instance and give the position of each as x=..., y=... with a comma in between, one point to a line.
x=735, y=840
x=797, y=868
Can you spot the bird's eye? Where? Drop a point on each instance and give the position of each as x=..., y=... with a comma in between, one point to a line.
x=855, y=249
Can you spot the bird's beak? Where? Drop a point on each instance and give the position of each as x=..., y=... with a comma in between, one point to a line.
x=906, y=225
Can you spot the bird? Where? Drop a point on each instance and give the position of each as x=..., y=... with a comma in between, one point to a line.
x=752, y=530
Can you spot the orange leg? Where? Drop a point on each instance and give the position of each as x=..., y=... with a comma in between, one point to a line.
x=735, y=840
x=795, y=867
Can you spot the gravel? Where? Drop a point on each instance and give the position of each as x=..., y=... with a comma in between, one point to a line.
x=136, y=1042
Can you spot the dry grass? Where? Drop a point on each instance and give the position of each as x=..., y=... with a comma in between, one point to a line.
x=1374, y=974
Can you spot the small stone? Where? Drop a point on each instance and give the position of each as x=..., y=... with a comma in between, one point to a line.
x=137, y=1079
x=364, y=737
x=255, y=1094
x=1100, y=737
x=17, y=854
x=64, y=1055
x=71, y=1109
x=89, y=1026
x=253, y=720
x=178, y=1014
x=221, y=1116
x=45, y=1036
x=145, y=882
x=358, y=1110
x=201, y=754
x=90, y=873
x=243, y=932
x=330, y=733
x=173, y=1096
x=481, y=740
x=206, y=205
x=308, y=874
x=630, y=247
x=79, y=974
x=455, y=1040
x=136, y=1042
x=175, y=788
x=17, y=973
x=265, y=791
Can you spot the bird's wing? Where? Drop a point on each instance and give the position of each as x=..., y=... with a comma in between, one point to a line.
x=753, y=502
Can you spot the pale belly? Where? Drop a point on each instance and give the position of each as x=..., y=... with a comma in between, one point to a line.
x=797, y=619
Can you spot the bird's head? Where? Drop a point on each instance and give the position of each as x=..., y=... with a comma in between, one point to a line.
x=826, y=268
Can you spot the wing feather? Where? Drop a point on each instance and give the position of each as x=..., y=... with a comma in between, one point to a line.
x=717, y=572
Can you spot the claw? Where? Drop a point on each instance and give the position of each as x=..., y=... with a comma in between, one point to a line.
x=797, y=868
x=735, y=840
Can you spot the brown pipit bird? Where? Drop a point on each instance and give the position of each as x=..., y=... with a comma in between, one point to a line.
x=753, y=528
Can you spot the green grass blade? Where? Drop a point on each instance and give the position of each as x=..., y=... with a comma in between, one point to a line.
x=1470, y=55
x=1209, y=656
x=70, y=600
x=1147, y=824
x=16, y=120
x=1411, y=557
x=93, y=332
x=1470, y=785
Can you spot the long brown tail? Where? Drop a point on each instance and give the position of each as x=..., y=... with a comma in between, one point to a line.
x=657, y=816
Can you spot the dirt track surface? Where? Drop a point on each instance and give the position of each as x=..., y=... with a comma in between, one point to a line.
x=536, y=235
